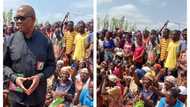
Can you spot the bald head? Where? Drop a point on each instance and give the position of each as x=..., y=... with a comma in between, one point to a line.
x=27, y=10
x=25, y=19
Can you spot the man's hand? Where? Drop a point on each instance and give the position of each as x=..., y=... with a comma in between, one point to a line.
x=19, y=82
x=35, y=82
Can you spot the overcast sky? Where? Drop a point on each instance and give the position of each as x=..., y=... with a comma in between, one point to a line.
x=143, y=13
x=146, y=13
x=54, y=10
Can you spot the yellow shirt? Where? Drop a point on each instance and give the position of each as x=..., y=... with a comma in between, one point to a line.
x=173, y=49
x=69, y=40
x=79, y=52
x=163, y=48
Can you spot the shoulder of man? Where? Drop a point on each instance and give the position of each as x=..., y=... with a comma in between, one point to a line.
x=13, y=37
x=42, y=37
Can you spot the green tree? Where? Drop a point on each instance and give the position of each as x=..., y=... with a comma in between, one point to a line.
x=4, y=17
x=7, y=16
x=106, y=22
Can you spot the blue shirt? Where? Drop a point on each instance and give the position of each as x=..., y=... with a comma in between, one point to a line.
x=183, y=45
x=85, y=98
x=90, y=38
x=164, y=104
x=109, y=44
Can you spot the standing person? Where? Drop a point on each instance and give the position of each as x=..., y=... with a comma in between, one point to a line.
x=28, y=62
x=138, y=55
x=49, y=32
x=146, y=38
x=90, y=41
x=8, y=34
x=108, y=45
x=152, y=51
x=79, y=42
x=128, y=48
x=69, y=37
x=56, y=40
x=154, y=34
x=164, y=41
x=183, y=42
x=173, y=52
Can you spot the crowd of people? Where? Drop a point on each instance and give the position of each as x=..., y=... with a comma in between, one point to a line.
x=72, y=82
x=134, y=69
x=142, y=68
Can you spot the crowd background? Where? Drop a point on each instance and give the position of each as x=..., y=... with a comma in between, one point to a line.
x=72, y=82
x=145, y=68
x=141, y=68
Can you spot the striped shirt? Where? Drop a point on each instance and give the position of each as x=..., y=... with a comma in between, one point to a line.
x=163, y=48
x=69, y=40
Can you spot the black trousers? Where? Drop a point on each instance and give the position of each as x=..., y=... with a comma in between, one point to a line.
x=15, y=104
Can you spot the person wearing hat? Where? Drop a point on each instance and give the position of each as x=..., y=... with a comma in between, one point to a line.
x=64, y=87
x=154, y=71
x=144, y=84
x=169, y=83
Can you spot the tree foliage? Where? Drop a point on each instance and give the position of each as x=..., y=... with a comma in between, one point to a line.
x=111, y=23
x=7, y=16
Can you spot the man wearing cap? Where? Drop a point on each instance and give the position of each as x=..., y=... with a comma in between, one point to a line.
x=28, y=62
x=169, y=83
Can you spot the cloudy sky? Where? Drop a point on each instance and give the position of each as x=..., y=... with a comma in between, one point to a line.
x=54, y=10
x=146, y=13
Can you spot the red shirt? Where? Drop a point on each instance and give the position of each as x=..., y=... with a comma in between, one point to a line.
x=138, y=52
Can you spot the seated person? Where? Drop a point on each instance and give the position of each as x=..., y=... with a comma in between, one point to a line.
x=64, y=87
x=171, y=99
